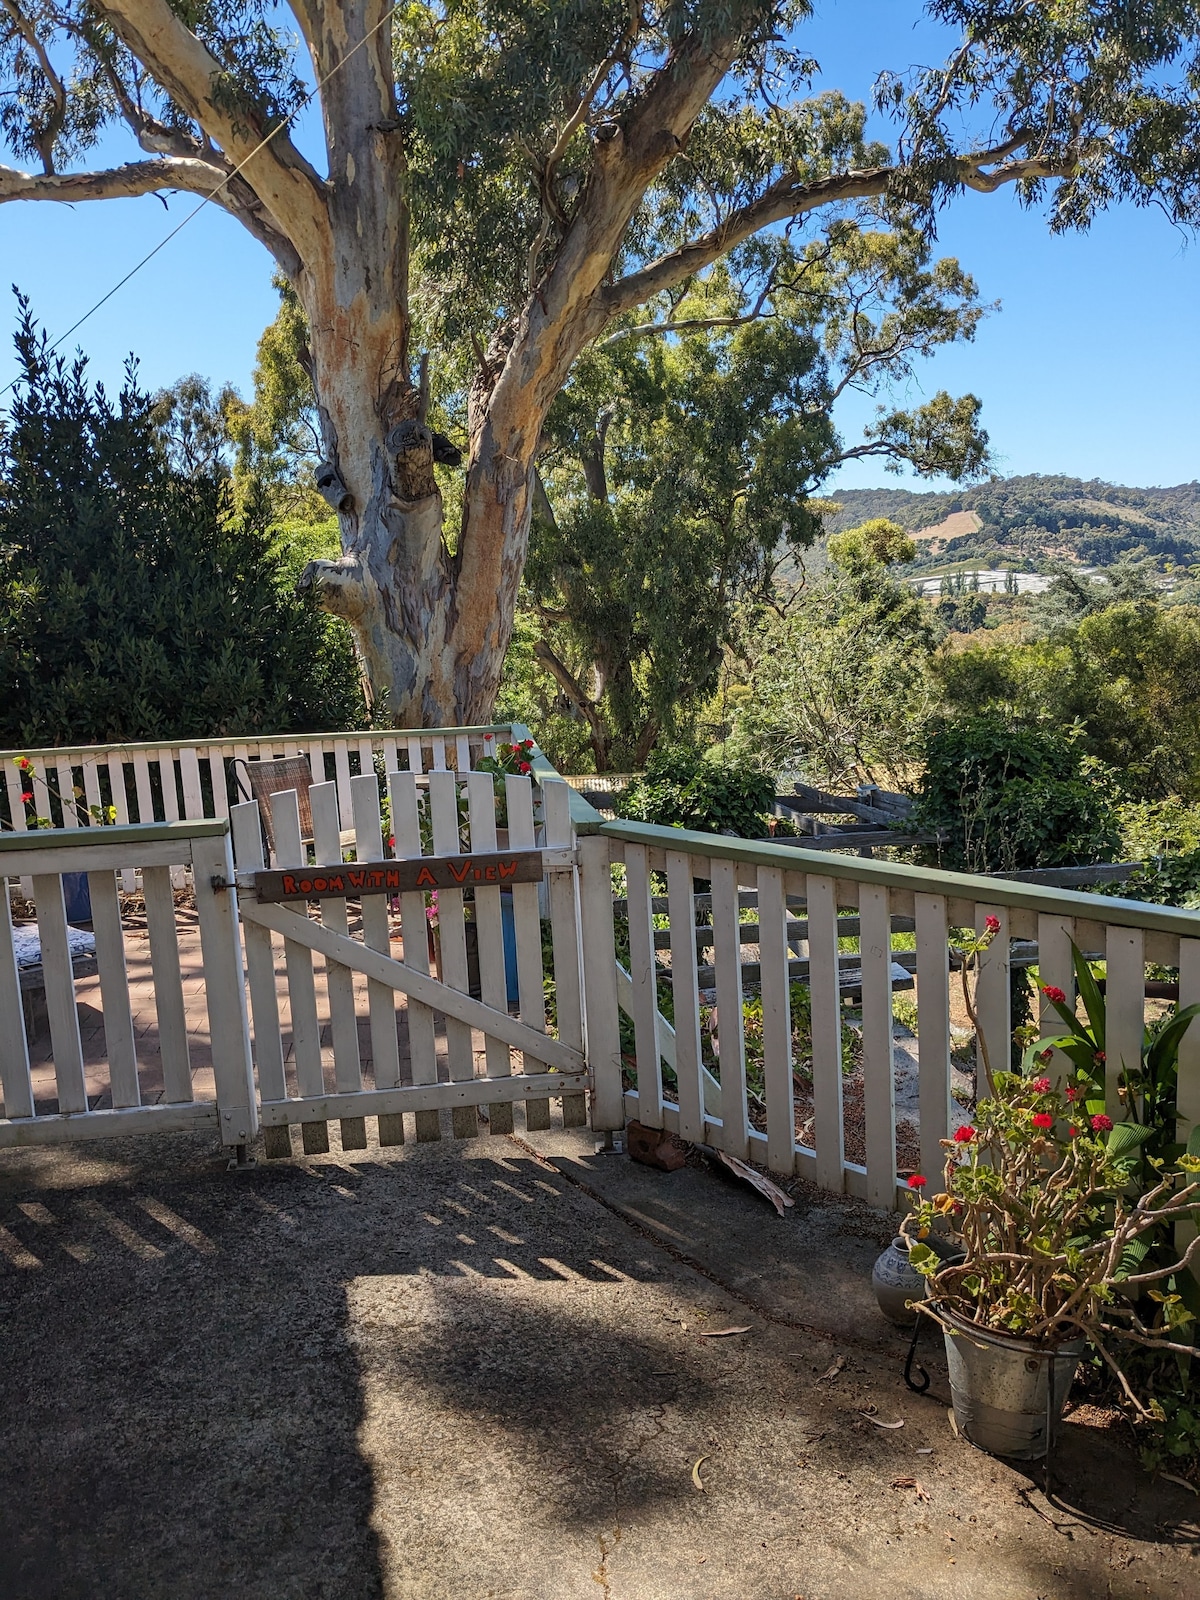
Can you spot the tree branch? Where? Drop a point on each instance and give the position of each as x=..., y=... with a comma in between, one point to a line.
x=135, y=178
x=45, y=140
x=291, y=190
x=786, y=199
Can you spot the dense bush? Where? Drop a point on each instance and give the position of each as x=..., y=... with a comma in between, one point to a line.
x=1010, y=797
x=135, y=601
x=682, y=789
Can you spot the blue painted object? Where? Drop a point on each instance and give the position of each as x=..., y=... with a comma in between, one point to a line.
x=77, y=897
x=509, y=926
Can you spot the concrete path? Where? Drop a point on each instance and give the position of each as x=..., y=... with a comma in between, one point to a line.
x=473, y=1370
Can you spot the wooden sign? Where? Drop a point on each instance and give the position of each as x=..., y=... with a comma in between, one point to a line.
x=356, y=878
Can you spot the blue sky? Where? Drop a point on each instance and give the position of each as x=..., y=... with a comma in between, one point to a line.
x=1088, y=369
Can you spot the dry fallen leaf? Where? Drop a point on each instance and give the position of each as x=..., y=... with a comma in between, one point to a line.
x=696, y=1478
x=879, y=1424
x=770, y=1191
x=832, y=1371
x=953, y=1423
x=910, y=1483
x=924, y=1452
x=1182, y=1482
x=722, y=1333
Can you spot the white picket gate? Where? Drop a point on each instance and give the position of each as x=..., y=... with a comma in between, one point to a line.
x=56, y=1099
x=465, y=1062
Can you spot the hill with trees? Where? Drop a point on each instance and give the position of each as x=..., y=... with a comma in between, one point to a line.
x=1035, y=518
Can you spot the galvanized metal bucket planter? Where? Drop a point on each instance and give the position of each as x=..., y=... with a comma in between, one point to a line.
x=1008, y=1393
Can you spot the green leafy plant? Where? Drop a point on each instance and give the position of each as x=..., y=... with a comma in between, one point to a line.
x=682, y=788
x=1037, y=1195
x=1009, y=796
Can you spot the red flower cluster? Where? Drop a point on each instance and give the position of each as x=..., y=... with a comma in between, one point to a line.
x=917, y=1181
x=24, y=763
x=1040, y=1084
x=991, y=924
x=1073, y=1131
x=1054, y=993
x=1099, y=1058
x=1072, y=1092
x=27, y=796
x=965, y=1134
x=1043, y=1119
x=1101, y=1123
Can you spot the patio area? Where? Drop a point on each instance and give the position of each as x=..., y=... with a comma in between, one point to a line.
x=486, y=1369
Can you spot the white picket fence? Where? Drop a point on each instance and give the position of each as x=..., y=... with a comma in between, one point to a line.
x=349, y=1020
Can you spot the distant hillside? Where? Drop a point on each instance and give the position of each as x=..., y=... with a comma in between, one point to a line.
x=1037, y=518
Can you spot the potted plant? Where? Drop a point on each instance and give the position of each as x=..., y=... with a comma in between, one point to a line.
x=1037, y=1193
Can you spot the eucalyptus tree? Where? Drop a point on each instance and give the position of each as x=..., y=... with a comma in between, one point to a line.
x=501, y=181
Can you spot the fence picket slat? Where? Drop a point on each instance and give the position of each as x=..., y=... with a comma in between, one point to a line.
x=381, y=1001
x=339, y=980
x=933, y=1031
x=14, y=1057
x=1055, y=969
x=114, y=990
x=65, y=775
x=168, y=984
x=416, y=761
x=391, y=754
x=60, y=992
x=452, y=944
x=879, y=1072
x=993, y=997
x=1187, y=1091
x=526, y=902
x=193, y=794
x=778, y=1090
x=565, y=936
x=220, y=782
x=644, y=1003
x=120, y=802
x=302, y=992
x=825, y=999
x=438, y=747
x=14, y=782
x=225, y=989
x=141, y=785
x=489, y=924
x=731, y=1043
x=246, y=826
x=1124, y=1009
x=685, y=995
x=422, y=1041
x=366, y=765
x=341, y=772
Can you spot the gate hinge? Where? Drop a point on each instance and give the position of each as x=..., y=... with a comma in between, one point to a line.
x=217, y=883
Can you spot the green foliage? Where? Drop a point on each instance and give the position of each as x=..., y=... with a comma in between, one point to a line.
x=839, y=687
x=875, y=543
x=679, y=473
x=135, y=601
x=684, y=789
x=1010, y=796
x=1127, y=675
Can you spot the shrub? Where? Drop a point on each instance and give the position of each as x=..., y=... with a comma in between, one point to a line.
x=136, y=602
x=684, y=789
x=1010, y=797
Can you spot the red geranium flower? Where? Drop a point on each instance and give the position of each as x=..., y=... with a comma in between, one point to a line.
x=991, y=924
x=1053, y=992
x=27, y=796
x=1043, y=1120
x=523, y=766
x=1074, y=1132
x=526, y=744
x=1040, y=1084
x=24, y=763
x=917, y=1181
x=1101, y=1123
x=1099, y=1058
x=965, y=1134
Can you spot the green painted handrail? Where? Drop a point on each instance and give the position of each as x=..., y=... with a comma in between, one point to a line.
x=920, y=880
x=131, y=833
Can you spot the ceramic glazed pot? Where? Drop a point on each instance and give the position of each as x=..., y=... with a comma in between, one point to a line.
x=896, y=1282
x=1008, y=1393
